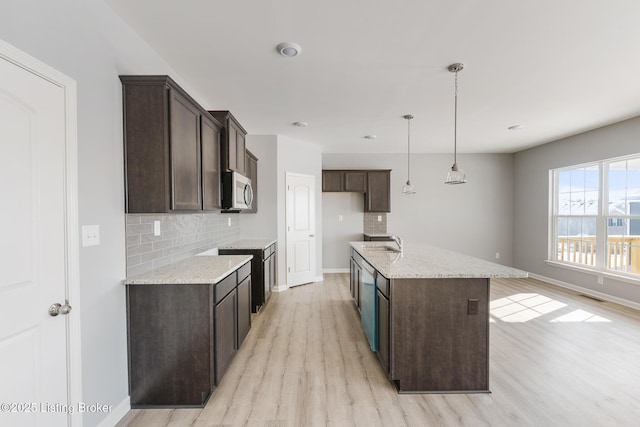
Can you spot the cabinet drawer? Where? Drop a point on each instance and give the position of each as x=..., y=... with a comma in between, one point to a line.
x=269, y=251
x=244, y=271
x=226, y=285
x=382, y=283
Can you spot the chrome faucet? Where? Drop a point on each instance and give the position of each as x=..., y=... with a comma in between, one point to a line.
x=398, y=241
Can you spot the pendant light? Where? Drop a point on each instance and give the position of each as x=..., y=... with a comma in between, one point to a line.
x=408, y=188
x=456, y=175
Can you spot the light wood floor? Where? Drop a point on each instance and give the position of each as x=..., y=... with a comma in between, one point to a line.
x=557, y=359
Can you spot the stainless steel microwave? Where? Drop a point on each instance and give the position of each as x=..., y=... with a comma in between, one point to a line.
x=237, y=192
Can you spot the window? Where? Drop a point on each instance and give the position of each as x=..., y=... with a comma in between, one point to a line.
x=596, y=215
x=615, y=222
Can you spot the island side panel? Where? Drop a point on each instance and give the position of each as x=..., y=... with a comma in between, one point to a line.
x=170, y=331
x=436, y=345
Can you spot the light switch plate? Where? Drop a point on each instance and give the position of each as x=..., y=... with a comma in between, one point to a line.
x=156, y=228
x=90, y=235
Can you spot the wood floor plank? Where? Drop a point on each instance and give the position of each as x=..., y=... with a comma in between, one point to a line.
x=556, y=359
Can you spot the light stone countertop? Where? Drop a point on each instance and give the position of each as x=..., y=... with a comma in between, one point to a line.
x=429, y=262
x=194, y=270
x=249, y=244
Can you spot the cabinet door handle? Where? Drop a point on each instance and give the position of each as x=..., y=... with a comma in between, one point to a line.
x=311, y=235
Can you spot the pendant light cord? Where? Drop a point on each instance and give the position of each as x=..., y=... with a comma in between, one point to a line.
x=455, y=122
x=408, y=149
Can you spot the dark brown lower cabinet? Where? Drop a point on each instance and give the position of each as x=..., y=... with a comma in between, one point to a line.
x=170, y=359
x=355, y=280
x=263, y=272
x=182, y=338
x=225, y=341
x=382, y=303
x=244, y=310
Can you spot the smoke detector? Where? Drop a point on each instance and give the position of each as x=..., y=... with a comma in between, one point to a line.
x=288, y=49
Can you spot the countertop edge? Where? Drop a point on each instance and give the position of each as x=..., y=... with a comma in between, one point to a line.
x=191, y=271
x=505, y=273
x=237, y=244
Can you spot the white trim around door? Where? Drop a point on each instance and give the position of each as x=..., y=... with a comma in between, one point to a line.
x=74, y=365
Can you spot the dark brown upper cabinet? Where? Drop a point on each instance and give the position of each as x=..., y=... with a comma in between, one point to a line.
x=375, y=184
x=355, y=181
x=232, y=147
x=251, y=171
x=169, y=142
x=332, y=181
x=378, y=195
x=210, y=163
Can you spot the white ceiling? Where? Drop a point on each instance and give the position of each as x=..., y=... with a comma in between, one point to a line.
x=558, y=67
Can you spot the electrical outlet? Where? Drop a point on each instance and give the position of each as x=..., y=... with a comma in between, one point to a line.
x=156, y=228
x=379, y=218
x=340, y=218
x=472, y=307
x=600, y=280
x=497, y=255
x=90, y=235
x=229, y=221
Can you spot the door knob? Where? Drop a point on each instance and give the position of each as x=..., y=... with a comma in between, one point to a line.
x=56, y=309
x=311, y=235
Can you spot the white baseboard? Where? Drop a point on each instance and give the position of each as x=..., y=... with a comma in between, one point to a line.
x=335, y=270
x=117, y=413
x=587, y=291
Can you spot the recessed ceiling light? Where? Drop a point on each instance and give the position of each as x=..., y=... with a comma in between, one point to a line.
x=289, y=49
x=516, y=127
x=300, y=124
x=370, y=137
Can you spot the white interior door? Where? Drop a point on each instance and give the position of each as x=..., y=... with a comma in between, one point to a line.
x=33, y=249
x=301, y=229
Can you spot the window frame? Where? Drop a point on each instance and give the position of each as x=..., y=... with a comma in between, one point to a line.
x=602, y=217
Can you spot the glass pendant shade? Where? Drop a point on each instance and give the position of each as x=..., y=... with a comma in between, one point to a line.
x=456, y=175
x=407, y=188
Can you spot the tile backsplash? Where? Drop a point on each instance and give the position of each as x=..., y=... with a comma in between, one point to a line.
x=181, y=236
x=372, y=225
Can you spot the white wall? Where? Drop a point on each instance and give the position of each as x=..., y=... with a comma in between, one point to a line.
x=532, y=200
x=303, y=158
x=475, y=218
x=86, y=41
x=337, y=234
x=263, y=224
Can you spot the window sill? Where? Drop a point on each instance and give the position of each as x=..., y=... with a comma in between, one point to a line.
x=595, y=272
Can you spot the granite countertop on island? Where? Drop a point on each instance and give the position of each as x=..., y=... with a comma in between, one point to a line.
x=249, y=244
x=429, y=262
x=194, y=270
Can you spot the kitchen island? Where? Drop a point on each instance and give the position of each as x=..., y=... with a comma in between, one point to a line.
x=425, y=312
